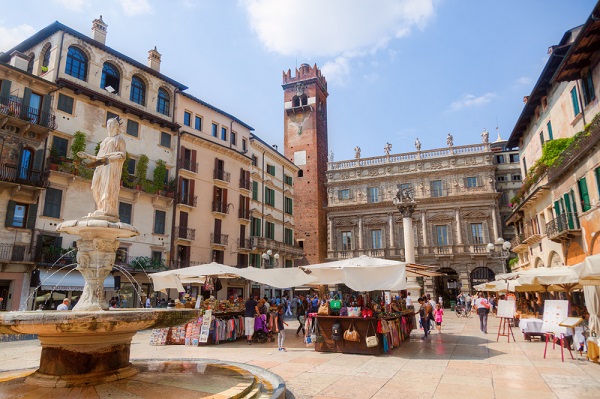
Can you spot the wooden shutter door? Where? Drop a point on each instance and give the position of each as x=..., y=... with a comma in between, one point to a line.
x=224, y=201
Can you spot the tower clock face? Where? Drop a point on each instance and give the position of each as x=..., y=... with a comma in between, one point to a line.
x=298, y=121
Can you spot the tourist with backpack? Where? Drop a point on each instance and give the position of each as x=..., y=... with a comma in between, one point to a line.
x=424, y=312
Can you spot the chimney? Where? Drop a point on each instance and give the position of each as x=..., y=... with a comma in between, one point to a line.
x=99, y=30
x=154, y=59
x=19, y=60
x=525, y=99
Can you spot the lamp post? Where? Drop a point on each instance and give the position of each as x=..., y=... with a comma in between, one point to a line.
x=267, y=259
x=405, y=202
x=502, y=254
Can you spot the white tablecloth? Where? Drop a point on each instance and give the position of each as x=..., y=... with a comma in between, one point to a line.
x=531, y=325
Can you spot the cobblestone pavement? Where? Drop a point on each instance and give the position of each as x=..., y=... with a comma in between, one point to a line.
x=458, y=363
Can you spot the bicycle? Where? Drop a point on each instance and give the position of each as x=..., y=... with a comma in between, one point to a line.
x=462, y=311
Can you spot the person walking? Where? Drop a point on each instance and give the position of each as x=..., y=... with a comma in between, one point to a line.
x=424, y=312
x=250, y=312
x=483, y=309
x=301, y=310
x=438, y=313
x=288, y=306
x=409, y=302
x=280, y=323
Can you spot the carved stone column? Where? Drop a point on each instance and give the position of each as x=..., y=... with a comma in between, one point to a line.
x=424, y=224
x=391, y=224
x=406, y=205
x=331, y=236
x=458, y=226
x=495, y=223
x=360, y=233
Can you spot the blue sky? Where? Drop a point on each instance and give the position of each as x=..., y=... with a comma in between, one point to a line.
x=396, y=69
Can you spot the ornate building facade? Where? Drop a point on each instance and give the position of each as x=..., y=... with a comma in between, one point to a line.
x=456, y=215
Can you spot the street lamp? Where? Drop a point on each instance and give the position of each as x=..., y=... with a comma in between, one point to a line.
x=502, y=254
x=267, y=259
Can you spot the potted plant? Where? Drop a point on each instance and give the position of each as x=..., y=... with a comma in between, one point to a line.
x=141, y=171
x=77, y=146
x=170, y=187
x=160, y=175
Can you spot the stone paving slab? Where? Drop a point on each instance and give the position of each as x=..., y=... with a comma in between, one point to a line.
x=460, y=362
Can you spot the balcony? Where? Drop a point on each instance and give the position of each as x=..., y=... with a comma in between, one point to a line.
x=564, y=227
x=50, y=255
x=478, y=249
x=263, y=244
x=245, y=184
x=221, y=175
x=139, y=263
x=244, y=214
x=219, y=239
x=15, y=109
x=517, y=244
x=185, y=233
x=187, y=164
x=443, y=250
x=532, y=234
x=23, y=176
x=14, y=253
x=220, y=207
x=244, y=244
x=189, y=200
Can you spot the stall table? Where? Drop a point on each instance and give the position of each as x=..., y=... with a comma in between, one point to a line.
x=531, y=328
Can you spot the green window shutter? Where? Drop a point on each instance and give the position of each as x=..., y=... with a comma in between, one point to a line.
x=10, y=213
x=575, y=101
x=31, y=216
x=597, y=173
x=584, y=195
x=255, y=190
x=5, y=91
x=25, y=104
x=550, y=135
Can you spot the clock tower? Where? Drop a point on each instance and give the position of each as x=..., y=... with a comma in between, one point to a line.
x=305, y=142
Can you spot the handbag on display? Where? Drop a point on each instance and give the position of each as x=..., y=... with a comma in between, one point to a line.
x=335, y=304
x=367, y=313
x=323, y=309
x=354, y=311
x=351, y=334
x=319, y=338
x=344, y=311
x=208, y=284
x=371, y=340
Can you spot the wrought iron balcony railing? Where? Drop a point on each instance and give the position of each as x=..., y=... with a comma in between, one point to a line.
x=562, y=226
x=27, y=177
x=245, y=184
x=185, y=233
x=14, y=253
x=16, y=109
x=189, y=200
x=220, y=207
x=187, y=164
x=219, y=239
x=222, y=175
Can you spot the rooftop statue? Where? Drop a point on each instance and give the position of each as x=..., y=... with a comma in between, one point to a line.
x=449, y=140
x=418, y=144
x=357, y=152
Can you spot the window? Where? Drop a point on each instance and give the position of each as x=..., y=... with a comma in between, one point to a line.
x=372, y=194
x=26, y=163
x=514, y=157
x=270, y=230
x=441, y=235
x=344, y=194
x=542, y=138
x=288, y=180
x=163, y=103
x=525, y=165
x=46, y=59
x=504, y=199
x=156, y=257
x=233, y=138
x=244, y=145
x=255, y=190
x=404, y=186
x=584, y=195
x=575, y=101
x=165, y=139
x=516, y=177
x=255, y=224
x=52, y=203
x=131, y=166
x=288, y=206
x=597, y=173
x=76, y=65
x=110, y=78
x=20, y=215
x=471, y=182
x=110, y=115
x=376, y=239
x=30, y=63
x=220, y=200
x=214, y=129
x=346, y=241
x=289, y=263
x=159, y=221
x=269, y=196
x=138, y=91
x=133, y=128
x=587, y=86
x=224, y=133
x=59, y=146
x=198, y=123
x=549, y=126
x=254, y=160
x=437, y=188
x=271, y=169
x=477, y=233
x=499, y=158
x=288, y=236
x=65, y=103
x=500, y=178
x=187, y=118
x=125, y=212
x=300, y=173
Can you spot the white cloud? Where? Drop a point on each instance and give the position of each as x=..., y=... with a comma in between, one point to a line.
x=523, y=81
x=73, y=5
x=337, y=71
x=333, y=27
x=469, y=100
x=9, y=37
x=135, y=7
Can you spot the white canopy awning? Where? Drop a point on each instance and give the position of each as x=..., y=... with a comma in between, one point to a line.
x=68, y=280
x=589, y=270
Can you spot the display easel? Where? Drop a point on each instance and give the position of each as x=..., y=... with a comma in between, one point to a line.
x=506, y=312
x=555, y=313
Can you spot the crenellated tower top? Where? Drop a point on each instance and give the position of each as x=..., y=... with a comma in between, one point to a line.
x=304, y=74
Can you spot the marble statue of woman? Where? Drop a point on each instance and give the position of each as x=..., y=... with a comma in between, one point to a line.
x=485, y=136
x=449, y=140
x=418, y=144
x=357, y=152
x=106, y=182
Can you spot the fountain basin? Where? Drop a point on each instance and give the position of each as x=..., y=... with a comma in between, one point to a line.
x=85, y=348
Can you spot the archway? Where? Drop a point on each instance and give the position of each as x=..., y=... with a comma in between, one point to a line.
x=447, y=286
x=575, y=254
x=538, y=263
x=554, y=260
x=481, y=275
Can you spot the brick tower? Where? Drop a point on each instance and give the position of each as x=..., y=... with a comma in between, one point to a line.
x=305, y=142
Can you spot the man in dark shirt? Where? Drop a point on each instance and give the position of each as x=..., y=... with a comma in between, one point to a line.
x=251, y=310
x=302, y=307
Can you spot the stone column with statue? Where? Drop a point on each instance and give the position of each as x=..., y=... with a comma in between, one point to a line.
x=405, y=202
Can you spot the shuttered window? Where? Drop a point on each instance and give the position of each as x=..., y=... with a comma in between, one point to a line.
x=125, y=211
x=584, y=195
x=52, y=202
x=575, y=101
x=159, y=222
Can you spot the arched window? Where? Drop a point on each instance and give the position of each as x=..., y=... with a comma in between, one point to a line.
x=76, y=63
x=46, y=58
x=164, y=103
x=30, y=64
x=296, y=101
x=110, y=78
x=138, y=91
x=26, y=163
x=304, y=99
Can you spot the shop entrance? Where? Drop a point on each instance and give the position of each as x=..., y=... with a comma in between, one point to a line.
x=447, y=286
x=4, y=294
x=482, y=275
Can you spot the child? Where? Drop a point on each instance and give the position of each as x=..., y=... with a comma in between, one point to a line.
x=280, y=328
x=438, y=313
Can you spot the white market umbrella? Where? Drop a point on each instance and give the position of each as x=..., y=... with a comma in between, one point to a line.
x=279, y=277
x=589, y=270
